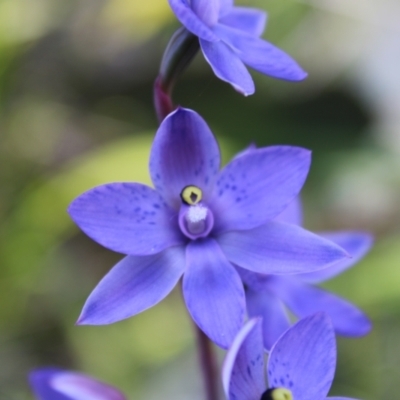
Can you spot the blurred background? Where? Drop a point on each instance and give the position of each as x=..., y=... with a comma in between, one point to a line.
x=76, y=111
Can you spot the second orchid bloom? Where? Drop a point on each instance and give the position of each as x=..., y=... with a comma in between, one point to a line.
x=229, y=38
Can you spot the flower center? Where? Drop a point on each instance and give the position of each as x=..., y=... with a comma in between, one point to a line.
x=277, y=394
x=191, y=195
x=195, y=219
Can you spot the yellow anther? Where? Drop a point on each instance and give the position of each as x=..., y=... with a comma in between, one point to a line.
x=191, y=195
x=281, y=394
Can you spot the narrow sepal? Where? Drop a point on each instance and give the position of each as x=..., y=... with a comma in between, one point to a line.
x=279, y=248
x=132, y=286
x=213, y=292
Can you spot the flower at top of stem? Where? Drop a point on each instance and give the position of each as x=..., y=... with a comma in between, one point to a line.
x=266, y=295
x=198, y=222
x=301, y=364
x=58, y=384
x=229, y=38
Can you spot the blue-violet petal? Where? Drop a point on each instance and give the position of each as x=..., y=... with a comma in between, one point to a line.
x=257, y=186
x=184, y=153
x=303, y=300
x=227, y=66
x=206, y=10
x=135, y=284
x=275, y=320
x=57, y=384
x=213, y=292
x=261, y=55
x=293, y=213
x=249, y=20
x=357, y=244
x=129, y=218
x=191, y=21
x=303, y=360
x=243, y=370
x=279, y=248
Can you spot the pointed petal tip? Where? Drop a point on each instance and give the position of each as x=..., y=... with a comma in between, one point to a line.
x=297, y=74
x=243, y=91
x=300, y=76
x=364, y=327
x=83, y=319
x=320, y=317
x=316, y=317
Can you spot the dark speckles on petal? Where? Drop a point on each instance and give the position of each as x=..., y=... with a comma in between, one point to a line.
x=248, y=371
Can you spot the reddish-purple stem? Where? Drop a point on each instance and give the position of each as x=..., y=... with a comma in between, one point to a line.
x=208, y=364
x=162, y=100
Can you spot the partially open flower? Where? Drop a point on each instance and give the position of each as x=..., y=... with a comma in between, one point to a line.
x=301, y=364
x=58, y=384
x=230, y=39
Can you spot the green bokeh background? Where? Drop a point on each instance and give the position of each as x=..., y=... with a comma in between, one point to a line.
x=76, y=111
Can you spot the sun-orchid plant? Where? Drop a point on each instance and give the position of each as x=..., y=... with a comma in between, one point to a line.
x=232, y=237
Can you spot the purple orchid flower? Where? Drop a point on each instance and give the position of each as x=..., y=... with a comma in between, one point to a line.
x=58, y=384
x=301, y=364
x=230, y=39
x=266, y=295
x=198, y=222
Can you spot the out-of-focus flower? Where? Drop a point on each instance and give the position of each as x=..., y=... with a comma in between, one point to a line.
x=197, y=222
x=230, y=39
x=58, y=384
x=301, y=364
x=267, y=294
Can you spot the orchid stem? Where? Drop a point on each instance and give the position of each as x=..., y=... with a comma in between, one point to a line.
x=179, y=53
x=208, y=365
